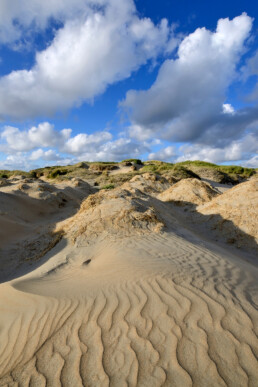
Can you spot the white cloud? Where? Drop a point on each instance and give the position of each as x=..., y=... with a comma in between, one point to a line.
x=82, y=142
x=165, y=154
x=135, y=131
x=43, y=135
x=93, y=50
x=16, y=161
x=18, y=17
x=251, y=163
x=27, y=149
x=185, y=102
x=49, y=155
x=227, y=108
x=241, y=149
x=116, y=150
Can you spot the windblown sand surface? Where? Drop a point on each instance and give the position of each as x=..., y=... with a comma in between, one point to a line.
x=191, y=191
x=135, y=293
x=238, y=206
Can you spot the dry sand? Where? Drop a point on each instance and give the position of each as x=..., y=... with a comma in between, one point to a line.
x=135, y=294
x=191, y=191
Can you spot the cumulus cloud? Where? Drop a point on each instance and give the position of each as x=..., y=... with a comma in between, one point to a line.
x=101, y=46
x=116, y=150
x=49, y=155
x=43, y=135
x=187, y=101
x=165, y=154
x=251, y=163
x=100, y=42
x=24, y=149
x=135, y=131
x=17, y=17
x=241, y=149
x=15, y=161
x=251, y=70
x=227, y=108
x=82, y=142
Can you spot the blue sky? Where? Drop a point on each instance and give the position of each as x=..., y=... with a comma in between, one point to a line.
x=112, y=79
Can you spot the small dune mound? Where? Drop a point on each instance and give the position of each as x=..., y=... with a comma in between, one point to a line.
x=100, y=167
x=22, y=187
x=45, y=187
x=82, y=164
x=116, y=212
x=126, y=163
x=170, y=178
x=235, y=212
x=149, y=183
x=213, y=174
x=77, y=182
x=179, y=172
x=17, y=179
x=188, y=191
x=4, y=182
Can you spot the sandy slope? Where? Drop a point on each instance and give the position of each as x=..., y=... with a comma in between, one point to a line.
x=131, y=297
x=239, y=206
x=191, y=191
x=29, y=210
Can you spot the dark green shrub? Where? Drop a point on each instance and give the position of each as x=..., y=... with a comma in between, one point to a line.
x=134, y=161
x=57, y=172
x=33, y=174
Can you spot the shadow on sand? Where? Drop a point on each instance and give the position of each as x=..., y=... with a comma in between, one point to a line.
x=181, y=218
x=29, y=226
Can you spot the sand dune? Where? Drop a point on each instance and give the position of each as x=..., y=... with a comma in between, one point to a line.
x=131, y=297
x=191, y=191
x=239, y=206
x=29, y=211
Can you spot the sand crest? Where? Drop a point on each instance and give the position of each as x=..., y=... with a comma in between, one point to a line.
x=191, y=191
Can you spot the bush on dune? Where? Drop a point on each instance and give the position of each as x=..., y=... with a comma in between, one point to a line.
x=56, y=173
x=133, y=161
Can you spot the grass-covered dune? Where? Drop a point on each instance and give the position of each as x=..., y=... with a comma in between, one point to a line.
x=112, y=174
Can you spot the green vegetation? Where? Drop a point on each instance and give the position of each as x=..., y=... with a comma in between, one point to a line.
x=116, y=180
x=133, y=161
x=56, y=173
x=108, y=186
x=103, y=162
x=229, y=169
x=180, y=172
x=156, y=167
x=176, y=170
x=235, y=169
x=99, y=173
x=6, y=174
x=100, y=167
x=198, y=163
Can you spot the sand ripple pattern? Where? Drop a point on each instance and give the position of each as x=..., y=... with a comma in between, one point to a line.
x=189, y=320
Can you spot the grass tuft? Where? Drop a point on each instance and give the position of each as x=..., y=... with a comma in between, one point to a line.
x=108, y=186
